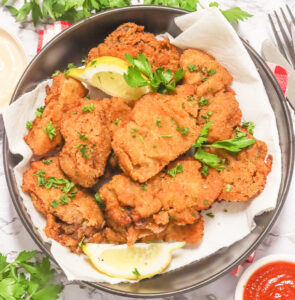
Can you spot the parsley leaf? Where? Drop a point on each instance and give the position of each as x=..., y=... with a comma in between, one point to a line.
x=177, y=169
x=203, y=101
x=100, y=202
x=83, y=149
x=29, y=124
x=54, y=203
x=203, y=135
x=89, y=108
x=205, y=171
x=236, y=14
x=249, y=126
x=50, y=130
x=136, y=273
x=82, y=137
x=47, y=161
x=239, y=142
x=39, y=111
x=210, y=215
x=64, y=199
x=159, y=80
x=209, y=159
x=192, y=68
x=40, y=177
x=158, y=123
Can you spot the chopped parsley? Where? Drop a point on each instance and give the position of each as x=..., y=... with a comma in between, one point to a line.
x=121, y=209
x=191, y=98
x=40, y=177
x=99, y=201
x=82, y=137
x=206, y=202
x=143, y=187
x=57, y=72
x=183, y=105
x=211, y=72
x=227, y=188
x=64, y=199
x=47, y=161
x=136, y=273
x=210, y=215
x=54, y=203
x=50, y=130
x=116, y=121
x=206, y=117
x=39, y=111
x=83, y=149
x=194, y=215
x=71, y=66
x=29, y=124
x=205, y=171
x=158, y=123
x=239, y=178
x=87, y=97
x=225, y=210
x=167, y=135
x=192, y=68
x=249, y=126
x=183, y=130
x=89, y=108
x=203, y=101
x=203, y=78
x=177, y=169
x=92, y=62
x=155, y=146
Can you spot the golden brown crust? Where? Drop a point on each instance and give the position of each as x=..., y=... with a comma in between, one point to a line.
x=144, y=146
x=131, y=39
x=203, y=62
x=85, y=171
x=63, y=92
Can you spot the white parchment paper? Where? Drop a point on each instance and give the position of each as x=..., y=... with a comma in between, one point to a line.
x=207, y=30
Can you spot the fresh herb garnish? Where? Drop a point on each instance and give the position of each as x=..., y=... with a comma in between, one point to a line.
x=24, y=279
x=205, y=171
x=158, y=123
x=40, y=177
x=203, y=101
x=29, y=124
x=83, y=149
x=64, y=199
x=159, y=80
x=136, y=273
x=167, y=135
x=192, y=68
x=203, y=135
x=116, y=121
x=39, y=111
x=82, y=136
x=227, y=188
x=47, y=161
x=210, y=215
x=249, y=126
x=191, y=98
x=57, y=72
x=143, y=187
x=50, y=130
x=99, y=201
x=239, y=142
x=209, y=159
x=177, y=169
x=211, y=72
x=81, y=242
x=54, y=203
x=89, y=108
x=206, y=202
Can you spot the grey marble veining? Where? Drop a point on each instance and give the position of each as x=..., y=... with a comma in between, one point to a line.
x=14, y=238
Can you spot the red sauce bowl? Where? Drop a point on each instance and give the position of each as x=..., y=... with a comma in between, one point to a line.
x=272, y=277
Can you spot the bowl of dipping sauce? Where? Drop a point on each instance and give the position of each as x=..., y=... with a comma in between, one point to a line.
x=271, y=277
x=13, y=62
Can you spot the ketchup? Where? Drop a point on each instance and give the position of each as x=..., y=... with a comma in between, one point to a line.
x=275, y=280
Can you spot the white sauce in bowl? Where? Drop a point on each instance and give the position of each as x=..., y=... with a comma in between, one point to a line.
x=12, y=64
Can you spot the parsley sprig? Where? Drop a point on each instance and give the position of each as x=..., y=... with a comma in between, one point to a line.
x=74, y=11
x=24, y=279
x=234, y=145
x=159, y=80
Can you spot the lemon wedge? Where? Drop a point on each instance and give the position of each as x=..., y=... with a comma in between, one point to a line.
x=131, y=262
x=106, y=74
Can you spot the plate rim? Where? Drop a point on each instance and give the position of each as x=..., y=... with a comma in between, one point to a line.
x=42, y=245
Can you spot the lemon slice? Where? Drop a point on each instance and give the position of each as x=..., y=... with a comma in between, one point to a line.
x=106, y=74
x=131, y=262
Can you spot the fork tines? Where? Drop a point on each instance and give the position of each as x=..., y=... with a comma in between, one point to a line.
x=284, y=43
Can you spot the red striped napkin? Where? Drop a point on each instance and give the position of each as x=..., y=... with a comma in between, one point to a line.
x=280, y=73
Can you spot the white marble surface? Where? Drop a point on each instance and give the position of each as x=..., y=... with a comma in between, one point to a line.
x=281, y=239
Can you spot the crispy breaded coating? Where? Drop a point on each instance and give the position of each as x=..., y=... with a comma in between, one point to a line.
x=151, y=210
x=204, y=71
x=223, y=110
x=159, y=131
x=131, y=39
x=245, y=173
x=87, y=141
x=79, y=217
x=63, y=92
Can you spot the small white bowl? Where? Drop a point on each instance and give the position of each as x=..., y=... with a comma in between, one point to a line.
x=255, y=266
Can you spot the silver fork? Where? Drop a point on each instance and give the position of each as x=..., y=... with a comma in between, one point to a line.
x=287, y=42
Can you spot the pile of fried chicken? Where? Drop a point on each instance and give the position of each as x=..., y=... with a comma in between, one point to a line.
x=95, y=138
